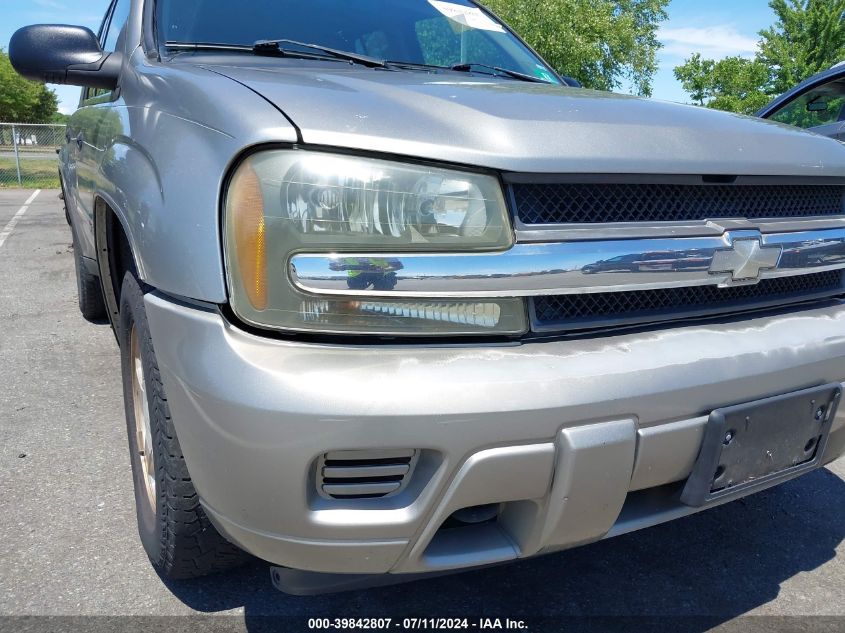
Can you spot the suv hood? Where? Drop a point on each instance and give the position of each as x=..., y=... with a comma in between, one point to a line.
x=524, y=127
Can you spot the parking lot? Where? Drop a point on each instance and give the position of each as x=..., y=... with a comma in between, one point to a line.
x=69, y=544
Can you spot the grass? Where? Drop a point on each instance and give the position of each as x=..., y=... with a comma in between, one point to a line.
x=35, y=174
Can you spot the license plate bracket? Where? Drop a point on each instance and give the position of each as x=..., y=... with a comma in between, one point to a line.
x=751, y=446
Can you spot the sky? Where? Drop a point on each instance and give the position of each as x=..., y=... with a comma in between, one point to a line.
x=715, y=28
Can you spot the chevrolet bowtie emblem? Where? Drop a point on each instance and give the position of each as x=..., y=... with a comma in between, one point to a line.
x=745, y=259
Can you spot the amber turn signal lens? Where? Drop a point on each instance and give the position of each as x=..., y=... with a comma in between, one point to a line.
x=246, y=206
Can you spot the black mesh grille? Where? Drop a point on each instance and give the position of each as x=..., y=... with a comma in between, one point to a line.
x=611, y=309
x=593, y=203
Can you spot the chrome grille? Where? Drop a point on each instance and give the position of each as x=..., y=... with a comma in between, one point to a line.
x=590, y=203
x=617, y=309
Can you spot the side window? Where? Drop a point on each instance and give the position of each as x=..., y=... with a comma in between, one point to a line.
x=109, y=34
x=101, y=34
x=820, y=106
x=119, y=17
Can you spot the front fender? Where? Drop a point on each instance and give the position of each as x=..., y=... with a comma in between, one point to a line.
x=164, y=184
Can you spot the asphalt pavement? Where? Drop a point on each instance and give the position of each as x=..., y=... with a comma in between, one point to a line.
x=69, y=546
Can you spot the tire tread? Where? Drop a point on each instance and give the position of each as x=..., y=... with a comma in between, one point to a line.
x=90, y=294
x=190, y=546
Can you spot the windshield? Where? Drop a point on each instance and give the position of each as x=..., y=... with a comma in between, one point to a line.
x=427, y=32
x=821, y=106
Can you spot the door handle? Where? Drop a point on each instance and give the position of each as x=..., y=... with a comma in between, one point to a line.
x=79, y=140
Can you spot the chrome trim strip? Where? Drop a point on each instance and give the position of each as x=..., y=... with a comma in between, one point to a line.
x=693, y=228
x=522, y=178
x=367, y=488
x=389, y=470
x=532, y=269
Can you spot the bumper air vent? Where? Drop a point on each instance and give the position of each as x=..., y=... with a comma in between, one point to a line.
x=368, y=474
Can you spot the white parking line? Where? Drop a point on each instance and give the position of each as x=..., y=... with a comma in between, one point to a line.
x=7, y=231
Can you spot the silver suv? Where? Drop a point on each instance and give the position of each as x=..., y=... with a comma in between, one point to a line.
x=393, y=297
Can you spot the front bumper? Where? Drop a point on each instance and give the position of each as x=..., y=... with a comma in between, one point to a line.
x=573, y=440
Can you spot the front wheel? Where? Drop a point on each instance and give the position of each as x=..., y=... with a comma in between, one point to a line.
x=175, y=531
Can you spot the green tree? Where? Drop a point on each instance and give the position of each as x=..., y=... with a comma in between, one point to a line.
x=23, y=101
x=808, y=37
x=734, y=84
x=696, y=76
x=602, y=43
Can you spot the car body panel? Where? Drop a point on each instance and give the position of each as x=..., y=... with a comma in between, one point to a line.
x=835, y=131
x=528, y=425
x=522, y=127
x=137, y=164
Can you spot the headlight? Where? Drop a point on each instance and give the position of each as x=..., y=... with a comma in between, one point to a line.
x=282, y=202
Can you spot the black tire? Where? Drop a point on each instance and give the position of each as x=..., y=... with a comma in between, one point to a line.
x=64, y=199
x=88, y=289
x=177, y=535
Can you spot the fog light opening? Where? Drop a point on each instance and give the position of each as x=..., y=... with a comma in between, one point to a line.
x=473, y=515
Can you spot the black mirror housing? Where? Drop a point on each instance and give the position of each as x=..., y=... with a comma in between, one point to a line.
x=62, y=54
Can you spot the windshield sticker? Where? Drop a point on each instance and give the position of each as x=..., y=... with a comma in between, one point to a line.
x=473, y=17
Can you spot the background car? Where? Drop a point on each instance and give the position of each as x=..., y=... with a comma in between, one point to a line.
x=817, y=104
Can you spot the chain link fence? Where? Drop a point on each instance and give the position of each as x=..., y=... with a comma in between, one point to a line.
x=28, y=155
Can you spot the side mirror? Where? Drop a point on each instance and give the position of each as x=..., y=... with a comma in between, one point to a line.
x=61, y=54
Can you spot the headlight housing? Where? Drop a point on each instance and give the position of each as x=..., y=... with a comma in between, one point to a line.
x=283, y=202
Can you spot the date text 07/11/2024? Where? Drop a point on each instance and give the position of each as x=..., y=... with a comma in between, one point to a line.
x=417, y=624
